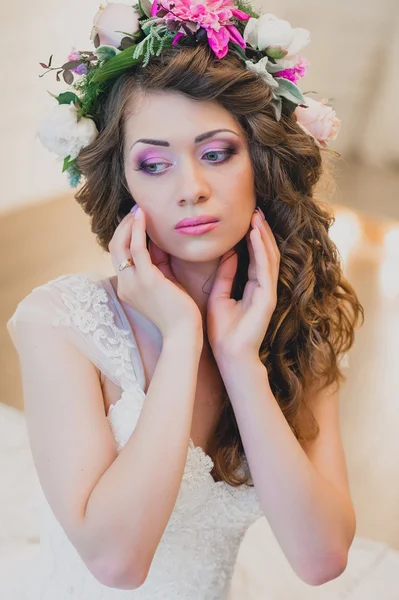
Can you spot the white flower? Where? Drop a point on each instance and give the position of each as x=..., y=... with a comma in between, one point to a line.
x=61, y=133
x=261, y=69
x=269, y=32
x=113, y=19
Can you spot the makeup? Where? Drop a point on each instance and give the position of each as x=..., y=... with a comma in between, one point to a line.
x=197, y=229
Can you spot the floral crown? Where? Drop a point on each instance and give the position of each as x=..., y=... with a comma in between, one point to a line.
x=124, y=36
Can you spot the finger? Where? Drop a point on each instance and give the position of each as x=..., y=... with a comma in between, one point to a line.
x=252, y=261
x=268, y=236
x=119, y=246
x=223, y=283
x=263, y=264
x=160, y=259
x=138, y=244
x=123, y=219
x=273, y=241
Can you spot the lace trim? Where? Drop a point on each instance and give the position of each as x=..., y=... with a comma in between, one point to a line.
x=200, y=457
x=89, y=312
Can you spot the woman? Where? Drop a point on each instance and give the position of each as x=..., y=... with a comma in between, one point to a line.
x=175, y=403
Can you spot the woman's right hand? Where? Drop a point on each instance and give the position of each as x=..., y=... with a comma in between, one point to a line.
x=149, y=286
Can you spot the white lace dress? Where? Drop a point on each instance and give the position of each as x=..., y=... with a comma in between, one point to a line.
x=197, y=553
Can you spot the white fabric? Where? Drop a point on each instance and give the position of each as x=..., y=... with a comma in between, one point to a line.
x=197, y=553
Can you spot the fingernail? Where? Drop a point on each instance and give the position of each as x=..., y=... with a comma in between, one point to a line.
x=139, y=213
x=134, y=209
x=262, y=213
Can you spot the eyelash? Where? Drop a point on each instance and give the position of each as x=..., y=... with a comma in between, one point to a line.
x=229, y=152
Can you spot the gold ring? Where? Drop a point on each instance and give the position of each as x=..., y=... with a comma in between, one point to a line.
x=128, y=262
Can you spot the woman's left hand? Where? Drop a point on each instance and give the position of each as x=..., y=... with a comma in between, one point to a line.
x=236, y=327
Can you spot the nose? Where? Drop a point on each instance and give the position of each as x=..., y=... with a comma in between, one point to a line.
x=193, y=183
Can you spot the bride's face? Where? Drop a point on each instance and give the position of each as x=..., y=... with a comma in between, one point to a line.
x=185, y=158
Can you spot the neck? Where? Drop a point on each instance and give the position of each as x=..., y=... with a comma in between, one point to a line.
x=197, y=279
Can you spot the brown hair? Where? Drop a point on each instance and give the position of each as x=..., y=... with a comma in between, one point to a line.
x=317, y=308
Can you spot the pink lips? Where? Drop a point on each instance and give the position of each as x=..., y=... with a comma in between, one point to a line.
x=197, y=229
x=196, y=221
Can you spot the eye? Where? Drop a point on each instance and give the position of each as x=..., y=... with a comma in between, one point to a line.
x=151, y=168
x=213, y=155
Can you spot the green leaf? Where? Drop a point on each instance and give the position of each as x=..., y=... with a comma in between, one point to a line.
x=277, y=104
x=289, y=106
x=239, y=50
x=124, y=60
x=145, y=7
x=68, y=163
x=116, y=65
x=247, y=8
x=105, y=52
x=67, y=98
x=147, y=26
x=126, y=42
x=289, y=90
x=127, y=33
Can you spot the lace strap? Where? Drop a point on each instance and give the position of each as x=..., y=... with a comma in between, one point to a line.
x=80, y=306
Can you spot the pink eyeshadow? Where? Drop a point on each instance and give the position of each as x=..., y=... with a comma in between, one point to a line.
x=147, y=155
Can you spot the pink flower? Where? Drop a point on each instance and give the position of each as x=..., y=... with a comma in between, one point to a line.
x=296, y=72
x=318, y=120
x=215, y=16
x=80, y=69
x=219, y=41
x=75, y=55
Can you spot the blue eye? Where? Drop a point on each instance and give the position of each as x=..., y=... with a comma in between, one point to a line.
x=152, y=168
x=214, y=153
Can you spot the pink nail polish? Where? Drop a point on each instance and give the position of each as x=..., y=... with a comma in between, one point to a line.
x=134, y=209
x=262, y=214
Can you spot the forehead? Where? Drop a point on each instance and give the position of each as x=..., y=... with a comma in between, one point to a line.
x=172, y=116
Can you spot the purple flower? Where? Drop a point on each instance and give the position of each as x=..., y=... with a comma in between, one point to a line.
x=80, y=69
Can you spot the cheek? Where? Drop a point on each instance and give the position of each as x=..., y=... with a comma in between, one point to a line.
x=155, y=207
x=139, y=190
x=247, y=175
x=241, y=193
x=241, y=185
x=155, y=221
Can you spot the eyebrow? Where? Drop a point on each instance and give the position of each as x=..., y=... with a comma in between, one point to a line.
x=197, y=140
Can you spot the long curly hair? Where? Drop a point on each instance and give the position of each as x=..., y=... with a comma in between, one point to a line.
x=317, y=310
